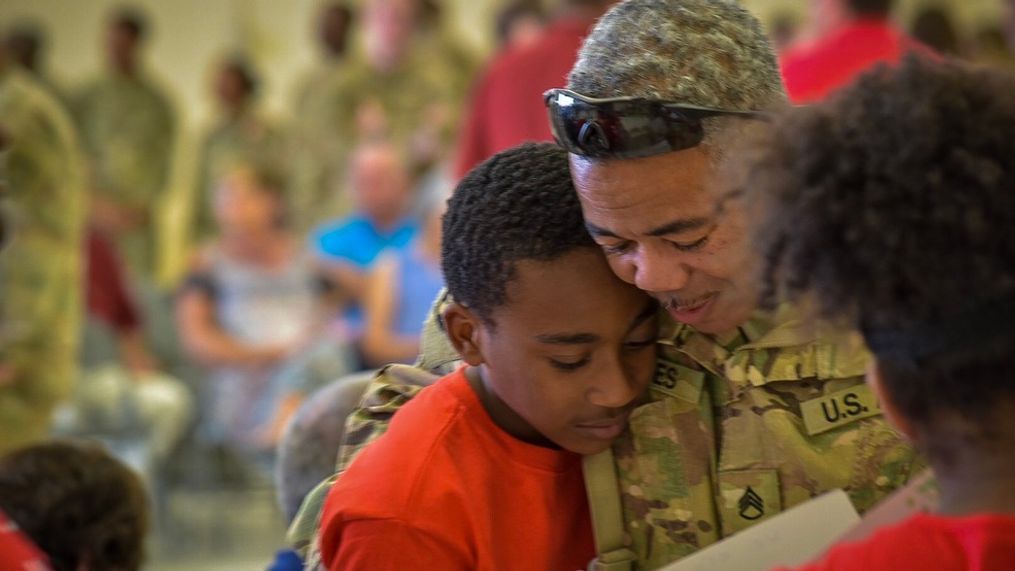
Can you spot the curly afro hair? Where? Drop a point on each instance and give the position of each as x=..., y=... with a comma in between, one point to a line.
x=518, y=205
x=78, y=504
x=892, y=205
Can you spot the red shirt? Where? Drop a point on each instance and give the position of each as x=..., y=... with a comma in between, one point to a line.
x=811, y=73
x=506, y=107
x=17, y=553
x=445, y=488
x=107, y=296
x=973, y=543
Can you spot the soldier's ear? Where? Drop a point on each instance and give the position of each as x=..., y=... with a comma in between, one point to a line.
x=891, y=411
x=464, y=329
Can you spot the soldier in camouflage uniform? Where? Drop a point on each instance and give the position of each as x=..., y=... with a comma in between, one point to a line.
x=241, y=136
x=315, y=145
x=40, y=266
x=127, y=129
x=403, y=87
x=753, y=411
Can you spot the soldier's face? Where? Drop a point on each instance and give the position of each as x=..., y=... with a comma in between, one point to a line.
x=121, y=46
x=571, y=352
x=658, y=221
x=230, y=89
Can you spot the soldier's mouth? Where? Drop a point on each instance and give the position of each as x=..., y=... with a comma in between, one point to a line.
x=692, y=310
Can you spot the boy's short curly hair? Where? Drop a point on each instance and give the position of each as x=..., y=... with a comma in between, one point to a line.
x=893, y=206
x=518, y=205
x=77, y=503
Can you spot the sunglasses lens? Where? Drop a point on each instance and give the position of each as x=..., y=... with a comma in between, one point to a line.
x=619, y=129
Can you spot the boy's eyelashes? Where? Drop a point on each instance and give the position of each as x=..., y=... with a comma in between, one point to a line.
x=572, y=364
x=569, y=365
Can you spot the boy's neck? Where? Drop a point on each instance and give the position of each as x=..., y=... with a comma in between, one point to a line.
x=501, y=414
x=976, y=483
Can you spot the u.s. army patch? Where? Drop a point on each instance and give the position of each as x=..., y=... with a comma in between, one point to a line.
x=839, y=409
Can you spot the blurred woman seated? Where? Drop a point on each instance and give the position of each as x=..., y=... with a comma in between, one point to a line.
x=254, y=310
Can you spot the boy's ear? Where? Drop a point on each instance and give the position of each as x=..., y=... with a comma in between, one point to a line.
x=888, y=406
x=463, y=329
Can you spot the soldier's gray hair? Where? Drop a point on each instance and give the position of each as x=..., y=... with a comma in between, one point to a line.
x=711, y=53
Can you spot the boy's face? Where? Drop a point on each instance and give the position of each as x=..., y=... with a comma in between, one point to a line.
x=570, y=353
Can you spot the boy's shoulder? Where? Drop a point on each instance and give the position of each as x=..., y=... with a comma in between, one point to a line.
x=391, y=474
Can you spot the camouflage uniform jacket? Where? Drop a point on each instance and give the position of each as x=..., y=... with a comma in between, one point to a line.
x=738, y=428
x=317, y=147
x=128, y=132
x=40, y=267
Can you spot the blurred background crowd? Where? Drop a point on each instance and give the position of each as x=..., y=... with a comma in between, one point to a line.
x=229, y=204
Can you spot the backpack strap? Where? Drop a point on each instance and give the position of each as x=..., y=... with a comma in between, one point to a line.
x=612, y=553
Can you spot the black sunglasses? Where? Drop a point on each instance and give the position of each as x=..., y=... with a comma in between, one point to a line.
x=627, y=127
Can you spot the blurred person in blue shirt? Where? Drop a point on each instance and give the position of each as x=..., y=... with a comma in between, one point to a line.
x=347, y=248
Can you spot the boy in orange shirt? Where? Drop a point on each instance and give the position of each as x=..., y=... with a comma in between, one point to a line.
x=482, y=470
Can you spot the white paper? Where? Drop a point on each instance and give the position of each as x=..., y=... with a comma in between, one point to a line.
x=791, y=538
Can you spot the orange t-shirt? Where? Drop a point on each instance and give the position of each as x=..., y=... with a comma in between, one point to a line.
x=445, y=488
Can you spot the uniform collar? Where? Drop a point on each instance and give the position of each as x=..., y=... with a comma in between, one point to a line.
x=784, y=326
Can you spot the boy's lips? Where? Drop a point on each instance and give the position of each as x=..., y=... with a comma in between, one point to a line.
x=606, y=428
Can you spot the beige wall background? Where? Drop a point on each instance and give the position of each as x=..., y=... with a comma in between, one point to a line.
x=189, y=34
x=187, y=37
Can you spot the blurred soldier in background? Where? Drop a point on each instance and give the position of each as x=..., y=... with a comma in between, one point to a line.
x=315, y=146
x=399, y=89
x=40, y=268
x=128, y=128
x=26, y=42
x=241, y=135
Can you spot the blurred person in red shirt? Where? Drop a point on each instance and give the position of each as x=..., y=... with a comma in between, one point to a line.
x=887, y=207
x=506, y=106
x=849, y=37
x=17, y=552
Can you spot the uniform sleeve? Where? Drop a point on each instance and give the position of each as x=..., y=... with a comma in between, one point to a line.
x=389, y=545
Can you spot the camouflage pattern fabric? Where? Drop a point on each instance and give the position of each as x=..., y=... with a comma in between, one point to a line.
x=316, y=148
x=40, y=267
x=246, y=139
x=738, y=428
x=404, y=94
x=325, y=127
x=746, y=425
x=127, y=129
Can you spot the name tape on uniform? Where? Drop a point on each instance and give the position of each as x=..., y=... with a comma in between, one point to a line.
x=678, y=381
